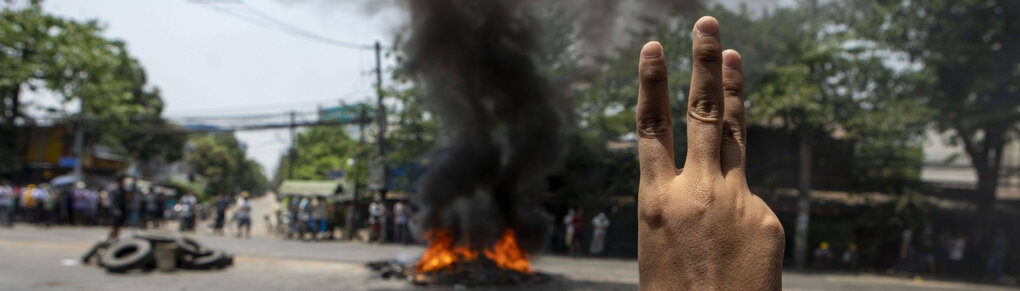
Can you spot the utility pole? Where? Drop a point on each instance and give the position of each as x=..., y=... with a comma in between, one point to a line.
x=804, y=158
x=362, y=122
x=380, y=116
x=352, y=207
x=293, y=145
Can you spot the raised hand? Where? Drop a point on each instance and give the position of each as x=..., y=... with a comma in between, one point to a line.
x=700, y=228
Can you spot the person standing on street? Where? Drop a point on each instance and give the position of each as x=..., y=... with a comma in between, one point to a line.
x=79, y=204
x=598, y=237
x=577, y=222
x=376, y=210
x=28, y=204
x=318, y=221
x=158, y=212
x=222, y=203
x=401, y=213
x=189, y=202
x=44, y=204
x=568, y=233
x=6, y=203
x=118, y=207
x=244, y=215
x=148, y=210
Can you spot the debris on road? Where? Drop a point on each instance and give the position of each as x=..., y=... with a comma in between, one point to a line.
x=472, y=274
x=150, y=250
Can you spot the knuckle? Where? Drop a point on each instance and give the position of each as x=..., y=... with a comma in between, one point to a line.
x=733, y=87
x=710, y=52
x=653, y=71
x=771, y=225
x=651, y=215
x=733, y=131
x=654, y=126
x=704, y=109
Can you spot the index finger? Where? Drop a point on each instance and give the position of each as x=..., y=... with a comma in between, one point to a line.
x=654, y=124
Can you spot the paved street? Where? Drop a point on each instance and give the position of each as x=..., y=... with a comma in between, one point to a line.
x=35, y=258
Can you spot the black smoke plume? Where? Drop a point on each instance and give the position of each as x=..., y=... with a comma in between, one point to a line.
x=502, y=122
x=501, y=130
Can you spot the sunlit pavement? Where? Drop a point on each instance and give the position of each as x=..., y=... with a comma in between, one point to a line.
x=34, y=258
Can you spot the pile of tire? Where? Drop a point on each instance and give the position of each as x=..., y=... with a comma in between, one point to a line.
x=138, y=252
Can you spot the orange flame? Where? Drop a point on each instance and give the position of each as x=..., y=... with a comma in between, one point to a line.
x=441, y=253
x=508, y=255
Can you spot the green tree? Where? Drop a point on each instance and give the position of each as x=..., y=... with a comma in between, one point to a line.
x=73, y=60
x=321, y=149
x=799, y=76
x=967, y=54
x=220, y=160
x=27, y=50
x=808, y=77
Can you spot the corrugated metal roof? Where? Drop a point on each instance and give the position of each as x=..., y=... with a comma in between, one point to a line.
x=312, y=187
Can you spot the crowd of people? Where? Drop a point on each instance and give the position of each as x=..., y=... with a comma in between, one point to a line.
x=75, y=204
x=318, y=218
x=119, y=204
x=927, y=252
x=305, y=216
x=958, y=253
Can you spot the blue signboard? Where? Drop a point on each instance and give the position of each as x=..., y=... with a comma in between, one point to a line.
x=346, y=113
x=67, y=162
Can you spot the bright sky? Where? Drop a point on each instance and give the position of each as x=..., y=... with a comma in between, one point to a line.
x=208, y=62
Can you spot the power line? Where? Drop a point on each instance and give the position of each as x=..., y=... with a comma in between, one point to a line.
x=241, y=116
x=280, y=25
x=254, y=107
x=247, y=127
x=301, y=32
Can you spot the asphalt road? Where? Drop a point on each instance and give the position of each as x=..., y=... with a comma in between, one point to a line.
x=47, y=259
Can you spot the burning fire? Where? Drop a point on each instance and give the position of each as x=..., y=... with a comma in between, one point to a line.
x=441, y=253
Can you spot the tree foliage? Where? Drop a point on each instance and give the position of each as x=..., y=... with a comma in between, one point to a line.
x=965, y=68
x=219, y=160
x=72, y=59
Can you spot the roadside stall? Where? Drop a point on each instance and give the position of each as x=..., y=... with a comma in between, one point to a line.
x=314, y=208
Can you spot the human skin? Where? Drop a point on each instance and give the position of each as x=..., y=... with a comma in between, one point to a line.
x=700, y=228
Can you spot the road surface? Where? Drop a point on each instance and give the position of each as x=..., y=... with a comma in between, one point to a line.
x=34, y=258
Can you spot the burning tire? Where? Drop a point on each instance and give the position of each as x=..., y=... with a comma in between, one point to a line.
x=126, y=254
x=94, y=251
x=214, y=259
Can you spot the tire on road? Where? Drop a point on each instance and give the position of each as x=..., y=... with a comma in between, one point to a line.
x=126, y=254
x=228, y=260
x=191, y=247
x=94, y=251
x=156, y=237
x=213, y=259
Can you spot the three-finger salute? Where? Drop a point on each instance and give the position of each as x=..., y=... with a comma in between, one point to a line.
x=701, y=227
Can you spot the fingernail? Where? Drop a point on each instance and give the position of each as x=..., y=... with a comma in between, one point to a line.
x=706, y=26
x=651, y=50
x=731, y=59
